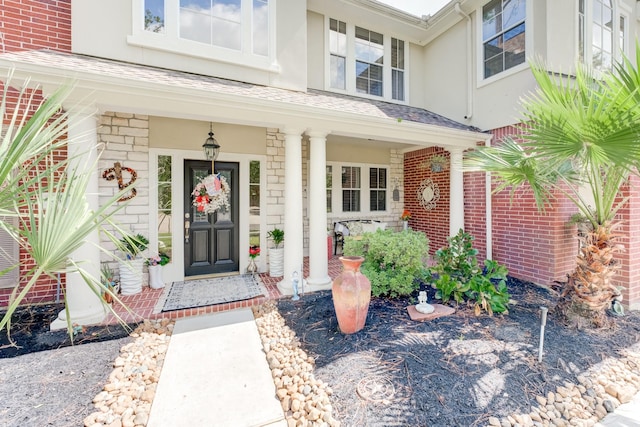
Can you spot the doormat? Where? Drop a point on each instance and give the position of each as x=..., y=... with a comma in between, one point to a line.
x=199, y=293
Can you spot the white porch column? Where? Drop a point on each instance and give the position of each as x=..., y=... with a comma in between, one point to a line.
x=85, y=308
x=293, y=226
x=318, y=260
x=456, y=202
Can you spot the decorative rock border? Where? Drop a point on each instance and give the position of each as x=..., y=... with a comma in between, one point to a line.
x=304, y=399
x=125, y=400
x=599, y=391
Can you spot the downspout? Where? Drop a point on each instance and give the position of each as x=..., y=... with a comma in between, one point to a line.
x=469, y=61
x=488, y=207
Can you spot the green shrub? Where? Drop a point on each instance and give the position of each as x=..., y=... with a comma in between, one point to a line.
x=460, y=277
x=392, y=260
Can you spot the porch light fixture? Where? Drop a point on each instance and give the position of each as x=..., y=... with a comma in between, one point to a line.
x=210, y=146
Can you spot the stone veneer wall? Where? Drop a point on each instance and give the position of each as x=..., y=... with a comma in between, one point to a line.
x=126, y=140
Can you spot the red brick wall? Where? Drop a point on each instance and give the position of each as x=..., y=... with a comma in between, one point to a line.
x=629, y=276
x=35, y=24
x=46, y=287
x=535, y=246
x=435, y=222
x=475, y=214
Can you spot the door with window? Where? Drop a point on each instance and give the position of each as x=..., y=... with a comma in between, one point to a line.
x=211, y=243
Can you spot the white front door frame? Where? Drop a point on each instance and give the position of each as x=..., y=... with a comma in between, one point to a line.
x=174, y=271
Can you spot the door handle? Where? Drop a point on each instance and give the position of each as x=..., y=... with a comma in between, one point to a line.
x=187, y=226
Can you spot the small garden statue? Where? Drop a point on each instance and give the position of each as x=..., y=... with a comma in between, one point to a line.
x=422, y=306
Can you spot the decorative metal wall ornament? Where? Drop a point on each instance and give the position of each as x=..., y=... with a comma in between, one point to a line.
x=428, y=194
x=116, y=173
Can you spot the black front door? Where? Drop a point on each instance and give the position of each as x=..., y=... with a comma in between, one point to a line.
x=212, y=244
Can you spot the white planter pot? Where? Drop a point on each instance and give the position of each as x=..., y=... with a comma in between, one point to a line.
x=131, y=276
x=155, y=277
x=276, y=262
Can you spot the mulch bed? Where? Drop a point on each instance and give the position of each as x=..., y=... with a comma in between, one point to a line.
x=453, y=371
x=30, y=331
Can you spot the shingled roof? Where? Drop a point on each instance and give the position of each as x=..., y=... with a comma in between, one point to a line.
x=75, y=63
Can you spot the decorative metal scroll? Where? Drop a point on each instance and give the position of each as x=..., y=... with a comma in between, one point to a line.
x=428, y=194
x=116, y=173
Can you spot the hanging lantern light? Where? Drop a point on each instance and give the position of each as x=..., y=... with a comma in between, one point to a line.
x=211, y=147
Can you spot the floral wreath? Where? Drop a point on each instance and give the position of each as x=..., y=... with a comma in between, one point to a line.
x=211, y=194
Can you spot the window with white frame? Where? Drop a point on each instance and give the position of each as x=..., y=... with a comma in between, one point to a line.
x=227, y=29
x=602, y=33
x=329, y=178
x=351, y=189
x=367, y=62
x=377, y=189
x=397, y=69
x=503, y=35
x=353, y=192
x=9, y=256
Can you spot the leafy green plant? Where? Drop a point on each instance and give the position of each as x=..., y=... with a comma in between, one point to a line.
x=133, y=245
x=392, y=260
x=277, y=235
x=460, y=278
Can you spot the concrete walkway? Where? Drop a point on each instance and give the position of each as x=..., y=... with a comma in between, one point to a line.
x=626, y=415
x=215, y=374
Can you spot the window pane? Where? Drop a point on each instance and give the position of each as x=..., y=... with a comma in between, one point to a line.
x=212, y=22
x=329, y=184
x=514, y=47
x=491, y=19
x=261, y=27
x=397, y=54
x=377, y=200
x=493, y=48
x=164, y=205
x=514, y=12
x=154, y=15
x=338, y=72
x=397, y=85
x=493, y=66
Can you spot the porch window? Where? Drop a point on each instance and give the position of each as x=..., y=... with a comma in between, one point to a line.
x=377, y=189
x=503, y=35
x=165, y=233
x=9, y=256
x=329, y=186
x=350, y=189
x=254, y=203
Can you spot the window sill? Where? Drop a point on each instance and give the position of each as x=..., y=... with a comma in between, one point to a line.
x=163, y=43
x=502, y=75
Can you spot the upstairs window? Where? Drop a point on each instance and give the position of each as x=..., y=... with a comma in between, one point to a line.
x=227, y=30
x=397, y=69
x=369, y=61
x=366, y=62
x=602, y=33
x=503, y=35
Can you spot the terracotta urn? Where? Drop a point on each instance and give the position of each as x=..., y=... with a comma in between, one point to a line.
x=351, y=295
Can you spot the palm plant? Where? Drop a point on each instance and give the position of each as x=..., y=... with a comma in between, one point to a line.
x=47, y=196
x=579, y=132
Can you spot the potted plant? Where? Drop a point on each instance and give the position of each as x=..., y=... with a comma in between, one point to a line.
x=438, y=162
x=131, y=267
x=405, y=217
x=108, y=282
x=155, y=264
x=276, y=253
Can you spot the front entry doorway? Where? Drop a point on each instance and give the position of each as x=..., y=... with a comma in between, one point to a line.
x=212, y=245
